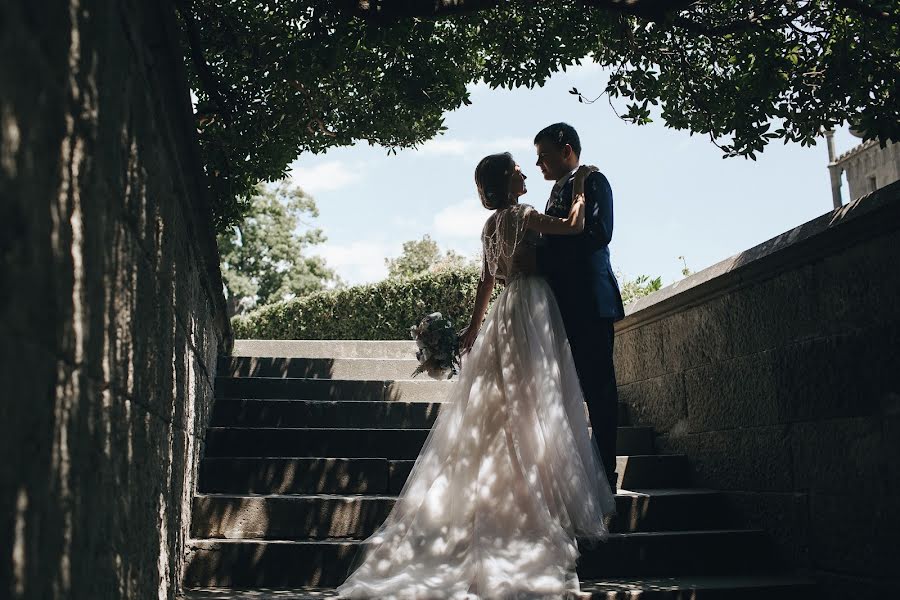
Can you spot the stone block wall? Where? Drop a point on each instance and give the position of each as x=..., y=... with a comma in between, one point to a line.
x=777, y=372
x=111, y=307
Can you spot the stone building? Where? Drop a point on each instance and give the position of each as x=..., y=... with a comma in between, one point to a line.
x=868, y=167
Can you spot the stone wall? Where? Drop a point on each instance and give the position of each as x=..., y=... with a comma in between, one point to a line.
x=778, y=373
x=111, y=308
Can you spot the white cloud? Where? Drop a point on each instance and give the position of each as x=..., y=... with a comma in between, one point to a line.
x=406, y=222
x=358, y=262
x=461, y=220
x=521, y=147
x=455, y=227
x=444, y=146
x=326, y=176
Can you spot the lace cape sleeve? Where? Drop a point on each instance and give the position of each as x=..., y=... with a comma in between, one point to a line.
x=501, y=235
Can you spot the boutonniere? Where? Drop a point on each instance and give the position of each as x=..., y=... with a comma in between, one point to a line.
x=559, y=203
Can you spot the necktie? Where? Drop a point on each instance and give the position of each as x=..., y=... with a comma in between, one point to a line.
x=554, y=192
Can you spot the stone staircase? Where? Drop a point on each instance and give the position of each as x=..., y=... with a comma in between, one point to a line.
x=310, y=442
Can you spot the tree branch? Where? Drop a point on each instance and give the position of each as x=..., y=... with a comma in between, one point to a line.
x=204, y=73
x=868, y=11
x=650, y=10
x=385, y=11
x=391, y=10
x=316, y=118
x=751, y=22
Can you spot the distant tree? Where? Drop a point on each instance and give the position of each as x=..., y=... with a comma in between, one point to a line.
x=452, y=261
x=263, y=258
x=420, y=256
x=641, y=286
x=417, y=257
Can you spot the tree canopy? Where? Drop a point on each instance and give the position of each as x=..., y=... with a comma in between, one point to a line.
x=262, y=258
x=277, y=79
x=422, y=256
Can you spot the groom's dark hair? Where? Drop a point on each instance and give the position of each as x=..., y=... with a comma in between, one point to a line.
x=560, y=134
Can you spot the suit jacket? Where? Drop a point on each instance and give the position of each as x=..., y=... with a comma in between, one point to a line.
x=577, y=266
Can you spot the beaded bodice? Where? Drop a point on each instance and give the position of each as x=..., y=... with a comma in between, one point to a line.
x=509, y=248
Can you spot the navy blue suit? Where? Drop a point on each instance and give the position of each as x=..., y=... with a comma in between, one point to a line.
x=579, y=272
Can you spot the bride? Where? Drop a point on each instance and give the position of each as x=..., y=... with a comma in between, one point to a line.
x=509, y=474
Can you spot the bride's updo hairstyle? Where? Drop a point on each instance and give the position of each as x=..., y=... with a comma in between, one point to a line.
x=492, y=180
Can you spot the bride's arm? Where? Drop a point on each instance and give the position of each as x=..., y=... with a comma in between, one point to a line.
x=482, y=298
x=571, y=225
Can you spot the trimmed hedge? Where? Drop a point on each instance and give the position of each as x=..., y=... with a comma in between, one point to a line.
x=380, y=311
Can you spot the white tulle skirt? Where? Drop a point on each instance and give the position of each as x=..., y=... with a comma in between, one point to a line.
x=508, y=475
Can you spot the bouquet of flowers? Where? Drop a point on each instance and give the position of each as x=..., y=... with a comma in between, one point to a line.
x=438, y=352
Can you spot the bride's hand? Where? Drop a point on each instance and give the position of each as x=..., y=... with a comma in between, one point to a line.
x=467, y=339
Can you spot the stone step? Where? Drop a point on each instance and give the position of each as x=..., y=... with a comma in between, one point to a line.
x=322, y=516
x=365, y=369
x=652, y=471
x=383, y=476
x=325, y=348
x=362, y=443
x=303, y=475
x=324, y=413
x=249, y=563
x=414, y=390
x=721, y=587
x=336, y=413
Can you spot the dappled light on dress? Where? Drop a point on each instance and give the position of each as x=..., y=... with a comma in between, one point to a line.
x=508, y=475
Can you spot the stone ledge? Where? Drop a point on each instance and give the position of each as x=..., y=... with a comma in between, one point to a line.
x=874, y=214
x=330, y=349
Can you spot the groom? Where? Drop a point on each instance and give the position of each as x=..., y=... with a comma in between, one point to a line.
x=578, y=270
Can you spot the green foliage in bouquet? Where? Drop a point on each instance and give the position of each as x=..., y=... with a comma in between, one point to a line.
x=438, y=343
x=380, y=311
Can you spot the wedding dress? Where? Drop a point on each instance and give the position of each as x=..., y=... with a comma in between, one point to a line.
x=508, y=475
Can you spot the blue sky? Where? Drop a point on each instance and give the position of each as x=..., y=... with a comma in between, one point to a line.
x=674, y=195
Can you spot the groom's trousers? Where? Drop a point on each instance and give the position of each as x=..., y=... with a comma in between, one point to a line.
x=591, y=341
